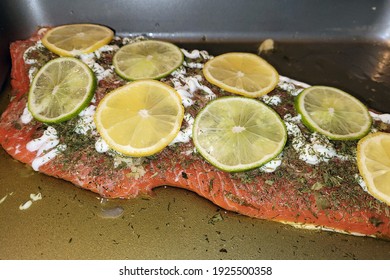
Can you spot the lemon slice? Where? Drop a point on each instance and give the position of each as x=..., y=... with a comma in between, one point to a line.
x=241, y=73
x=140, y=118
x=238, y=133
x=76, y=39
x=61, y=89
x=147, y=60
x=333, y=113
x=373, y=158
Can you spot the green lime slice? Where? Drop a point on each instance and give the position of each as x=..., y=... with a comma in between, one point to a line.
x=238, y=133
x=333, y=113
x=147, y=60
x=61, y=89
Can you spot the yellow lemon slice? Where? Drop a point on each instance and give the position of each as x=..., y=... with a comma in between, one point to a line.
x=373, y=158
x=241, y=73
x=147, y=60
x=333, y=113
x=140, y=118
x=76, y=39
x=60, y=90
x=238, y=133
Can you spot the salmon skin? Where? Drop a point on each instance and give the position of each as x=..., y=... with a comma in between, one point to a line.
x=321, y=196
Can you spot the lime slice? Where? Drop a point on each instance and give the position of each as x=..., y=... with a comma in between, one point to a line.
x=241, y=73
x=238, y=133
x=76, y=39
x=333, y=113
x=140, y=118
x=147, y=60
x=373, y=158
x=61, y=89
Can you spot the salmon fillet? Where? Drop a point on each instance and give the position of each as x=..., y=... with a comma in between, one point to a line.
x=296, y=193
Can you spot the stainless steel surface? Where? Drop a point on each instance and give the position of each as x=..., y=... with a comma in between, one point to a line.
x=339, y=43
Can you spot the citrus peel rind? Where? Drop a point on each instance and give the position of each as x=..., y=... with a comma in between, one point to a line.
x=76, y=39
x=241, y=73
x=333, y=113
x=140, y=118
x=237, y=133
x=150, y=59
x=373, y=159
x=61, y=89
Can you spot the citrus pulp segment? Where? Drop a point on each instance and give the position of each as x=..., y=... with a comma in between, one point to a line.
x=241, y=73
x=140, y=118
x=61, y=89
x=373, y=158
x=149, y=59
x=76, y=39
x=333, y=113
x=238, y=133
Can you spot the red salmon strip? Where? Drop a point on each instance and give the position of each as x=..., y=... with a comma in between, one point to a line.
x=281, y=201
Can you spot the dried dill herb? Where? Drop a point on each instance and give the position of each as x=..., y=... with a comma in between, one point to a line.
x=73, y=140
x=211, y=184
x=216, y=218
x=39, y=55
x=375, y=221
x=17, y=125
x=245, y=177
x=322, y=202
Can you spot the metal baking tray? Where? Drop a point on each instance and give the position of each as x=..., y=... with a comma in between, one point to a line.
x=335, y=43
